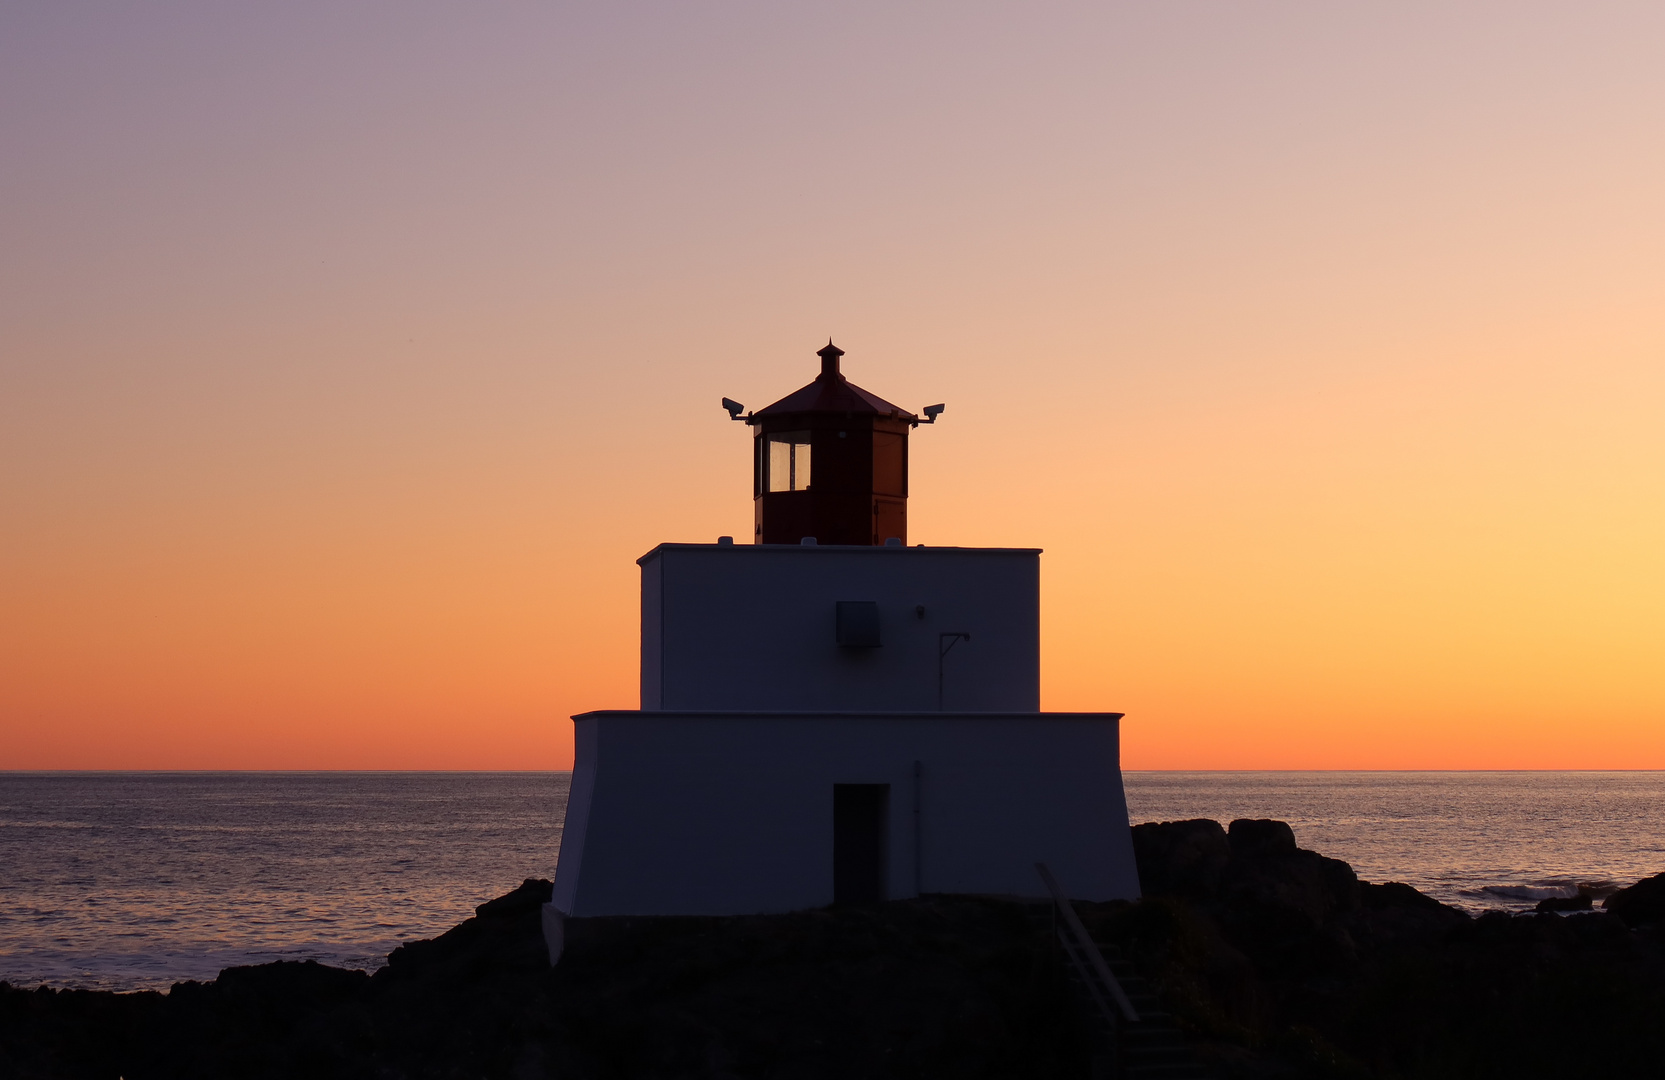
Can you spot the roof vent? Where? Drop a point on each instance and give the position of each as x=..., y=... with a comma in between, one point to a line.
x=829, y=360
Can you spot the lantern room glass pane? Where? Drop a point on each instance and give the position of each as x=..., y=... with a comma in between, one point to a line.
x=800, y=466
x=788, y=461
x=780, y=466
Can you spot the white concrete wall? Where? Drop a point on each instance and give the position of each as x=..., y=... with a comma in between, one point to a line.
x=751, y=627
x=691, y=814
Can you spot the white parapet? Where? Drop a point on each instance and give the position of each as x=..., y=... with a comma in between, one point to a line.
x=725, y=813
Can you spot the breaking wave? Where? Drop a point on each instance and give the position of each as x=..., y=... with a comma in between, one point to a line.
x=1514, y=897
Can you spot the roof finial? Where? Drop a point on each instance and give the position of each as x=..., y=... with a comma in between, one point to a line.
x=829, y=358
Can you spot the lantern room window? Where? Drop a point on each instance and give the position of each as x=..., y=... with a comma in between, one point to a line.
x=786, y=461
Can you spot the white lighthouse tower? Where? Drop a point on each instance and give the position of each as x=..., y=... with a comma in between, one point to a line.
x=831, y=716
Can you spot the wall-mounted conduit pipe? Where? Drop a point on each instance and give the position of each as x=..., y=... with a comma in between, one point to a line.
x=945, y=645
x=918, y=830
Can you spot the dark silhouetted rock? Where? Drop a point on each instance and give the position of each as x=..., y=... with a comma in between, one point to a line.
x=1256, y=873
x=935, y=987
x=506, y=934
x=1640, y=905
x=531, y=896
x=1276, y=961
x=1393, y=917
x=1396, y=894
x=1284, y=964
x=1186, y=858
x=1260, y=839
x=1581, y=902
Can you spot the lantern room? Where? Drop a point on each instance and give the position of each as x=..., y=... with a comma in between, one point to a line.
x=830, y=463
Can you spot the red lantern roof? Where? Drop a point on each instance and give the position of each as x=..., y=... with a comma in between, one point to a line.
x=831, y=392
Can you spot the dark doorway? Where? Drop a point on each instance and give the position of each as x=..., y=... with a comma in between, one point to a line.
x=861, y=815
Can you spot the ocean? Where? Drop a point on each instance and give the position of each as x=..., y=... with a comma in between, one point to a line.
x=124, y=881
x=127, y=881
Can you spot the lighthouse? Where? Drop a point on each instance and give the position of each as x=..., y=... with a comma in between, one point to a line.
x=829, y=715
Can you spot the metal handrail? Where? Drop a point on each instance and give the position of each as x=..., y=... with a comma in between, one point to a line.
x=1083, y=943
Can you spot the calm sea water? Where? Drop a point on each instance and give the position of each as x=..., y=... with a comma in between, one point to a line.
x=139, y=880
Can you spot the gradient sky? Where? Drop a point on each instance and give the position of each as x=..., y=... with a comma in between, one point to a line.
x=350, y=353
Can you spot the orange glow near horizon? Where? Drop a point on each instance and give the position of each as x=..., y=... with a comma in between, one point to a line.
x=1321, y=351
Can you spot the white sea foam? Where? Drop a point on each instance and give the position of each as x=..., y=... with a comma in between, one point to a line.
x=1528, y=893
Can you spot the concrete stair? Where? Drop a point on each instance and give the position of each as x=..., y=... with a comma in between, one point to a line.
x=1153, y=1048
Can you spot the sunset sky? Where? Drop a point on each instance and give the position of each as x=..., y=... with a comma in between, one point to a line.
x=350, y=354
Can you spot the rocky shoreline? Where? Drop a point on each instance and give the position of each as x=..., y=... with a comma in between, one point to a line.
x=1275, y=961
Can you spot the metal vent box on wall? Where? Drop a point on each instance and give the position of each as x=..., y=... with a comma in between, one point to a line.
x=857, y=624
x=757, y=627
